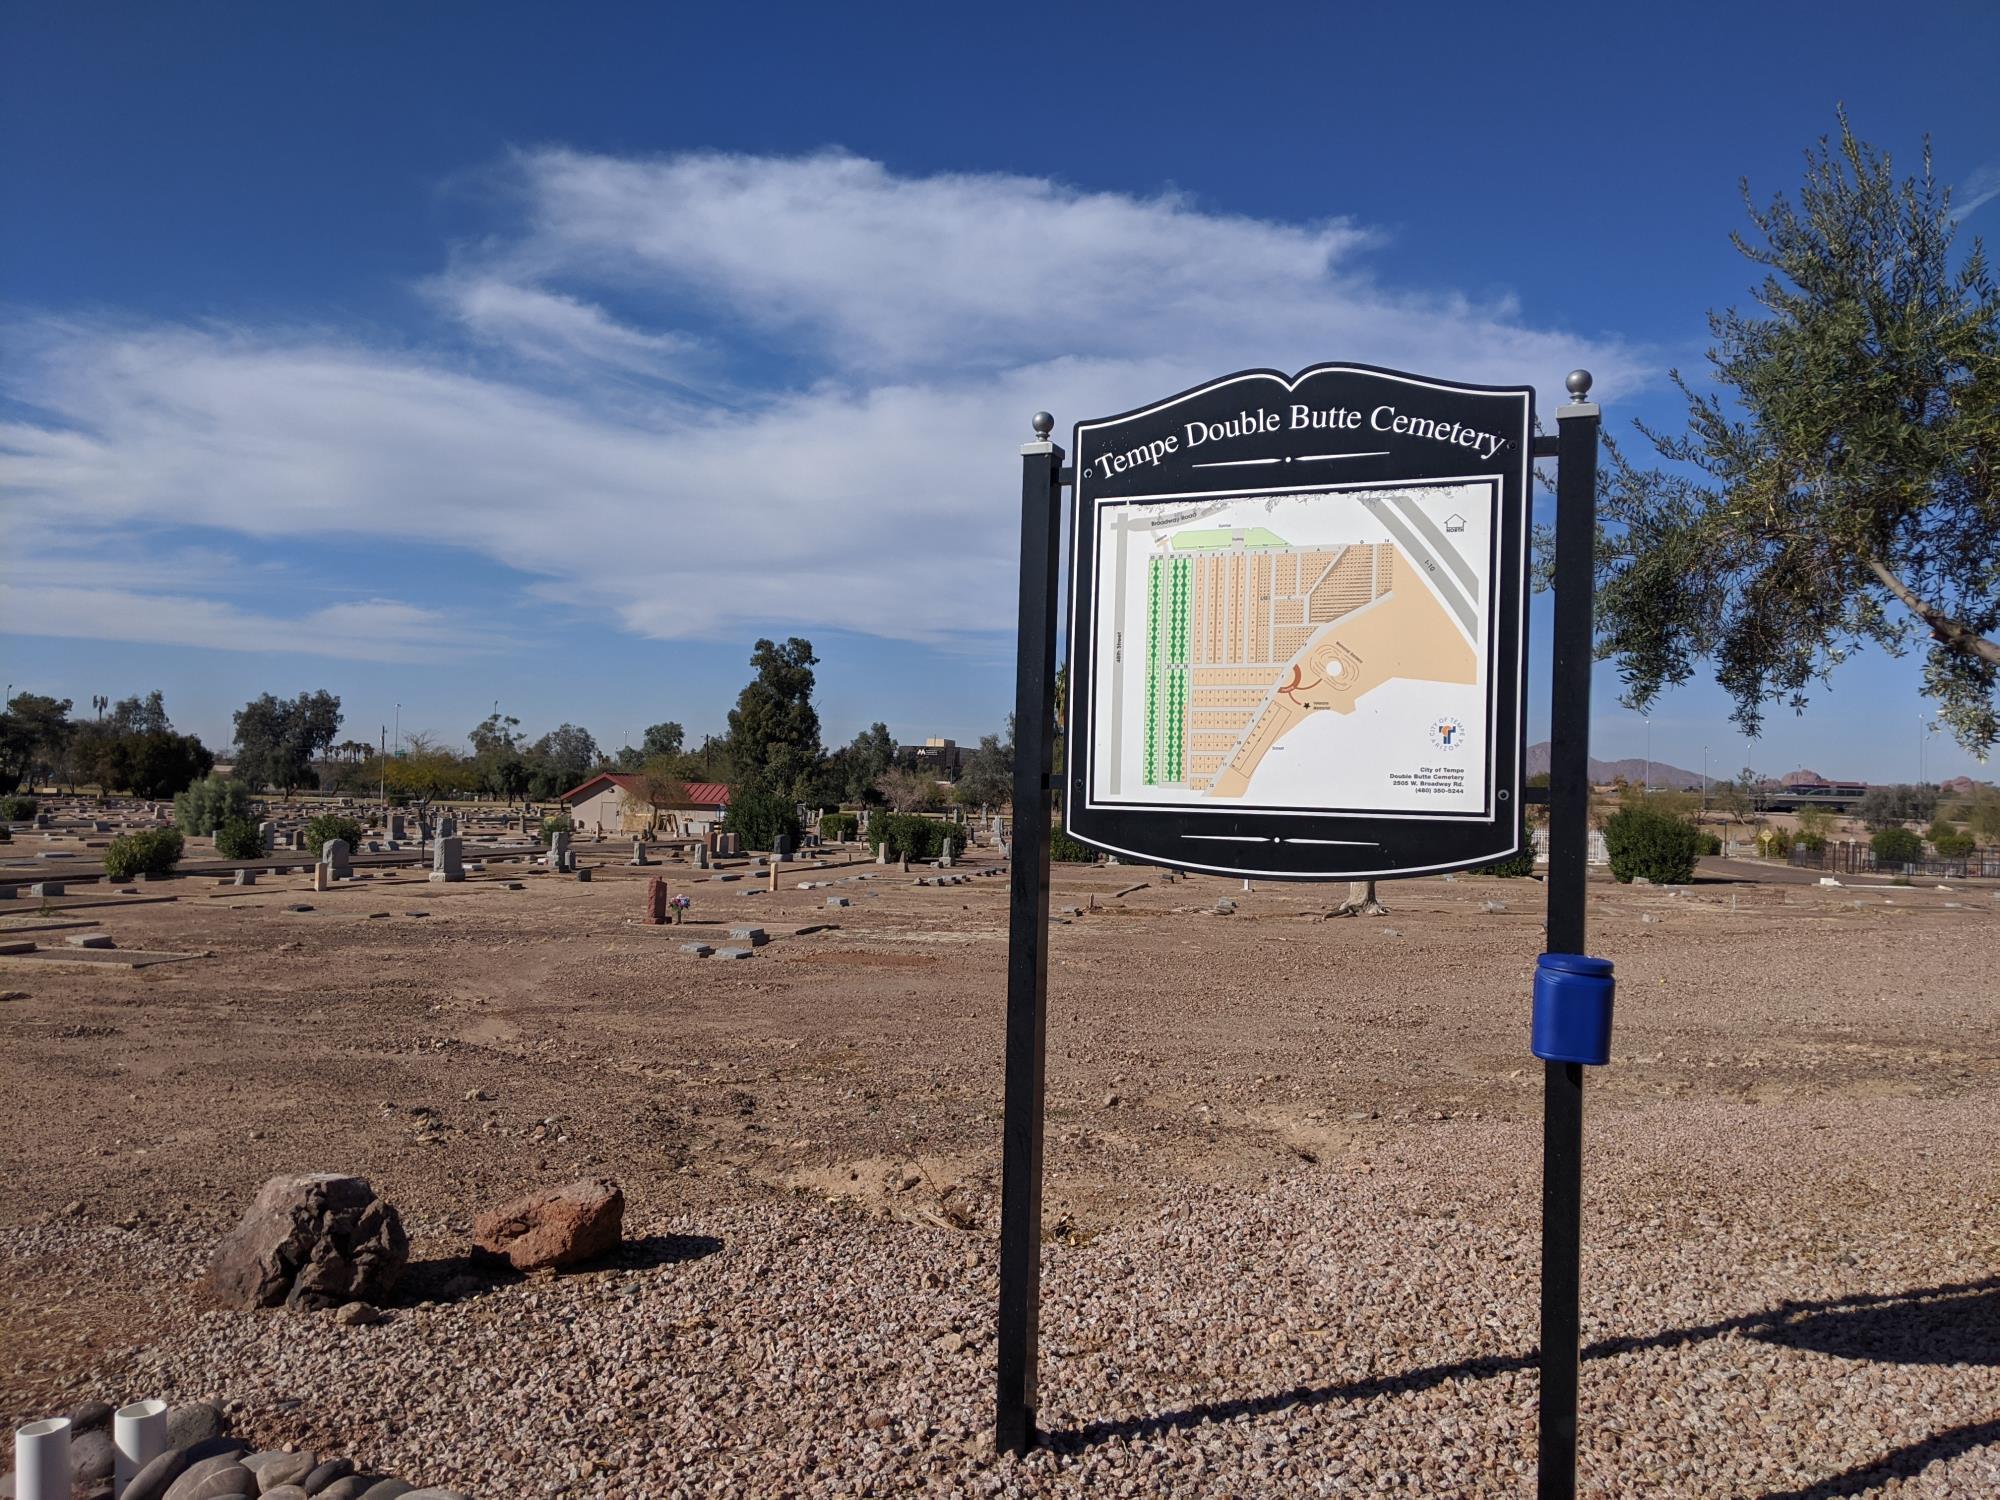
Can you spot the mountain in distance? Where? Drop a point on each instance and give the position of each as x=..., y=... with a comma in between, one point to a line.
x=1633, y=770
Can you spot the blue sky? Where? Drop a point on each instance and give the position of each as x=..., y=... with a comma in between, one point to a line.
x=458, y=353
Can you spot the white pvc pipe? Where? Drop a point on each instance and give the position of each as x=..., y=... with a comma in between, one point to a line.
x=41, y=1460
x=138, y=1436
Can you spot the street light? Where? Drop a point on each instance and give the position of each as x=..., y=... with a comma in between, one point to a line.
x=1649, y=755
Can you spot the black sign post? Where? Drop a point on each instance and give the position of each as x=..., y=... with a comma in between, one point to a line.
x=1261, y=552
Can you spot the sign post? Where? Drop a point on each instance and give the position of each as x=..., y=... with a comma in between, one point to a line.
x=1297, y=650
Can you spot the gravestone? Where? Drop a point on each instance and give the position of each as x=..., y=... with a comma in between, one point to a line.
x=445, y=859
x=322, y=877
x=398, y=829
x=334, y=855
x=656, y=902
x=558, y=857
x=781, y=848
x=882, y=853
x=701, y=856
x=944, y=860
x=447, y=827
x=639, y=853
x=246, y=877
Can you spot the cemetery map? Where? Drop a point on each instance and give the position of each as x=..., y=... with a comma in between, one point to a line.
x=1229, y=626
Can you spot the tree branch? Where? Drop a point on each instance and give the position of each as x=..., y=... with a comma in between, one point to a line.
x=1941, y=625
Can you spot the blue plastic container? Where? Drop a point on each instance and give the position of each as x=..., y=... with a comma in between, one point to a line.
x=1573, y=996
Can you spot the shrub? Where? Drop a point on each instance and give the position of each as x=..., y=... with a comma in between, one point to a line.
x=17, y=809
x=1711, y=843
x=332, y=826
x=1646, y=843
x=153, y=851
x=914, y=836
x=1514, y=867
x=1816, y=842
x=1778, y=845
x=557, y=823
x=1897, y=846
x=839, y=827
x=1954, y=845
x=1065, y=850
x=239, y=839
x=758, y=815
x=209, y=803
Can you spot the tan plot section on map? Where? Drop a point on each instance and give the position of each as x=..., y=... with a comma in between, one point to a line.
x=1373, y=632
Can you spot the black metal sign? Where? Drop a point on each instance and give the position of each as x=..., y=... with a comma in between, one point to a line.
x=1298, y=625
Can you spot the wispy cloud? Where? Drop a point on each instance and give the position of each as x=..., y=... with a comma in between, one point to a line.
x=879, y=339
x=1978, y=189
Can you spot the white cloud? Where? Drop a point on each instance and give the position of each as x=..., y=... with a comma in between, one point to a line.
x=1979, y=189
x=890, y=336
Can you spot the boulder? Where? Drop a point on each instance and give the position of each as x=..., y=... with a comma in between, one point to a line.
x=313, y=1240
x=196, y=1422
x=324, y=1476
x=153, y=1481
x=348, y=1487
x=212, y=1479
x=556, y=1226
x=90, y=1457
x=275, y=1470
x=88, y=1416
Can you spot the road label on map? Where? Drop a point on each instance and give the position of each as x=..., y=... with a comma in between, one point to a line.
x=1298, y=630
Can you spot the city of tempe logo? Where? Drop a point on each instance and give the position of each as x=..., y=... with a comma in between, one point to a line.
x=1448, y=732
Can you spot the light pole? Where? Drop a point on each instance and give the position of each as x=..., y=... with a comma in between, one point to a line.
x=1704, y=785
x=399, y=729
x=1649, y=755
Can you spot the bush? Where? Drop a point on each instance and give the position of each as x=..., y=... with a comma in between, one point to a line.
x=209, y=803
x=239, y=839
x=1897, y=846
x=17, y=809
x=758, y=815
x=557, y=823
x=1513, y=868
x=1778, y=845
x=154, y=851
x=1647, y=844
x=1954, y=845
x=1068, y=851
x=332, y=826
x=1816, y=842
x=839, y=827
x=1711, y=843
x=914, y=836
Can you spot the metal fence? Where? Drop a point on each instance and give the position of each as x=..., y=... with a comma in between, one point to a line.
x=1848, y=858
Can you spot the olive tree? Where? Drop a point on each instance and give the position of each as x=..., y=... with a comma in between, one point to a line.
x=1840, y=486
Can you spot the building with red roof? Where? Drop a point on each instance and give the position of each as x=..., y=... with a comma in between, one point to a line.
x=614, y=803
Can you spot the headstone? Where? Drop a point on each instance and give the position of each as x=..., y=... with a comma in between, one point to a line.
x=445, y=859
x=882, y=853
x=334, y=855
x=447, y=827
x=398, y=828
x=656, y=902
x=754, y=936
x=46, y=888
x=781, y=848
x=639, y=853
x=322, y=877
x=246, y=877
x=699, y=950
x=701, y=856
x=582, y=872
x=944, y=860
x=558, y=857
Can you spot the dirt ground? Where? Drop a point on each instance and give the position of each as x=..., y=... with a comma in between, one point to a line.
x=1803, y=1110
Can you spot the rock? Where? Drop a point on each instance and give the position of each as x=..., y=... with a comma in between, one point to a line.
x=358, y=1315
x=281, y=1469
x=90, y=1456
x=386, y=1489
x=88, y=1416
x=212, y=1479
x=286, y=1492
x=312, y=1240
x=554, y=1226
x=196, y=1422
x=348, y=1487
x=215, y=1447
x=152, y=1482
x=433, y=1494
x=323, y=1477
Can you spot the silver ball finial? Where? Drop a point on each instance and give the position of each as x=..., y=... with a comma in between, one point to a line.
x=1579, y=384
x=1044, y=424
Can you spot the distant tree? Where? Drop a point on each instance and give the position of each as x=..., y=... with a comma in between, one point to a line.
x=559, y=760
x=146, y=715
x=278, y=739
x=1897, y=846
x=1982, y=817
x=160, y=765
x=904, y=790
x=1815, y=827
x=774, y=728
x=1847, y=480
x=1892, y=806
x=33, y=733
x=662, y=739
x=498, y=768
x=859, y=765
x=988, y=777
x=205, y=806
x=426, y=771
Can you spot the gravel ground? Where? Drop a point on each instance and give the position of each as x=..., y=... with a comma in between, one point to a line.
x=1293, y=1190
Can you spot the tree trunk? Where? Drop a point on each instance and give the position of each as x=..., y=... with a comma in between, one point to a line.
x=1361, y=901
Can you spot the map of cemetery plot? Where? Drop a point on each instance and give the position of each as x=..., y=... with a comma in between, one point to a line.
x=1296, y=650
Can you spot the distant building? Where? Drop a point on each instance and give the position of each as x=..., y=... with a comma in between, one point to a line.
x=943, y=759
x=617, y=804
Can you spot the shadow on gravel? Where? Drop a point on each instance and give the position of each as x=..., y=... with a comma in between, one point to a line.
x=460, y=1278
x=1958, y=1322
x=1901, y=1463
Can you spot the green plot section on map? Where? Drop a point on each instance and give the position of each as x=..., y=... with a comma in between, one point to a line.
x=1213, y=537
x=1169, y=597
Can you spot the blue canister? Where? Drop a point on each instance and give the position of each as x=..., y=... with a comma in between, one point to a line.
x=1573, y=1008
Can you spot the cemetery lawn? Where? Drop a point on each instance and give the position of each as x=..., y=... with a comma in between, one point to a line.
x=1293, y=1172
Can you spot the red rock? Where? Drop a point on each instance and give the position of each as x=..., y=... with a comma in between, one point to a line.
x=556, y=1226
